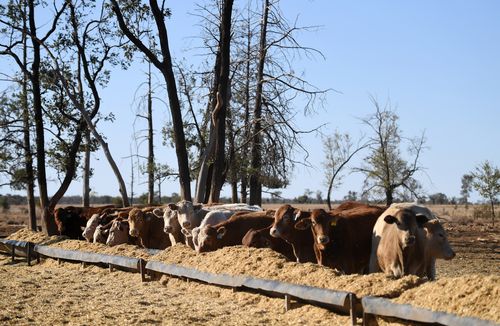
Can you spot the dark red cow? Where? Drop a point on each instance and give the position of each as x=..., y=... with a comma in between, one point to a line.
x=262, y=239
x=71, y=219
x=232, y=231
x=301, y=241
x=342, y=239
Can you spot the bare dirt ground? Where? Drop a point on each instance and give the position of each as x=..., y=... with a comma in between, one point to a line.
x=468, y=285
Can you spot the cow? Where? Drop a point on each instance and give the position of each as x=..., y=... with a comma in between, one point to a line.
x=260, y=238
x=394, y=240
x=94, y=221
x=188, y=214
x=171, y=224
x=119, y=233
x=342, y=238
x=432, y=243
x=212, y=218
x=71, y=219
x=101, y=233
x=302, y=241
x=232, y=231
x=148, y=228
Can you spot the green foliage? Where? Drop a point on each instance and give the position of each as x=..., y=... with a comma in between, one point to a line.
x=487, y=180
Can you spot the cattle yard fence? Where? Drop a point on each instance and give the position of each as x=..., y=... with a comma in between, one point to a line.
x=365, y=308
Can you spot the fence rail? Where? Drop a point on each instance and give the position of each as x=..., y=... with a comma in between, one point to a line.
x=336, y=300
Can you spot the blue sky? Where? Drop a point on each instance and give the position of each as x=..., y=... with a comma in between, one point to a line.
x=437, y=61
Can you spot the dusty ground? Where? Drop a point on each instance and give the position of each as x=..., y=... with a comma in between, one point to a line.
x=49, y=293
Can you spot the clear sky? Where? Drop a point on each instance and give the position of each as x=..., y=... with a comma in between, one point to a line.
x=437, y=61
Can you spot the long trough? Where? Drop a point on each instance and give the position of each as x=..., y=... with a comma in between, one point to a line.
x=384, y=307
x=337, y=300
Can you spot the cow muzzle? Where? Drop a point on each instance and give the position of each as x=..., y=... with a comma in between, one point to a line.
x=409, y=241
x=274, y=232
x=186, y=224
x=134, y=232
x=322, y=239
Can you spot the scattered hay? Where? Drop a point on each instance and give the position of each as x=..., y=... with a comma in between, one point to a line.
x=28, y=235
x=469, y=295
x=267, y=264
x=119, y=250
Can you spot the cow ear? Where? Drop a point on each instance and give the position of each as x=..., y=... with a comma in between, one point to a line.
x=303, y=224
x=421, y=220
x=221, y=232
x=173, y=207
x=389, y=219
x=333, y=222
x=158, y=212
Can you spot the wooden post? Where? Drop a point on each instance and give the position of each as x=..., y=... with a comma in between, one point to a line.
x=110, y=268
x=287, y=302
x=28, y=253
x=142, y=269
x=352, y=303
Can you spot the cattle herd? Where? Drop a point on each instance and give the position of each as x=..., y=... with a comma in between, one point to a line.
x=354, y=238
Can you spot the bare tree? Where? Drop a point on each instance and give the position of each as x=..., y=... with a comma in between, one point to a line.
x=385, y=169
x=163, y=62
x=339, y=149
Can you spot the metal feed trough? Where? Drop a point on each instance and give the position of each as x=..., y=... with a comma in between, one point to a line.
x=384, y=307
x=127, y=263
x=336, y=300
x=18, y=248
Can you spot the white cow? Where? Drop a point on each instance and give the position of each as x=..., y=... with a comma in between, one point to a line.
x=212, y=218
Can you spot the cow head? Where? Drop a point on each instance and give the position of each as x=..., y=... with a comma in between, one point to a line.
x=118, y=233
x=285, y=219
x=186, y=211
x=92, y=223
x=257, y=239
x=100, y=234
x=437, y=243
x=137, y=220
x=406, y=222
x=170, y=219
x=321, y=224
x=209, y=238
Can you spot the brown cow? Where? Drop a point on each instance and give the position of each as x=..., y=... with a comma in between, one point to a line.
x=343, y=237
x=71, y=219
x=232, y=231
x=262, y=239
x=302, y=241
x=148, y=228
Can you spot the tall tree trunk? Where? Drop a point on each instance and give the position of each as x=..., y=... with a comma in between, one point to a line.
x=86, y=170
x=86, y=159
x=48, y=223
x=151, y=156
x=165, y=66
x=248, y=127
x=28, y=156
x=203, y=182
x=256, y=160
x=223, y=91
